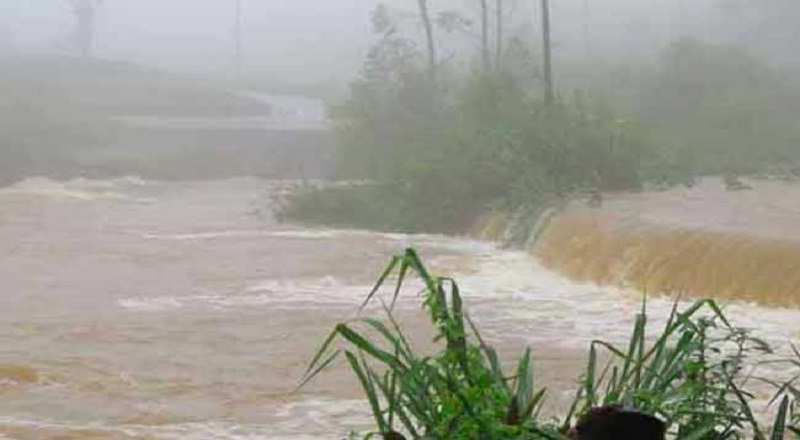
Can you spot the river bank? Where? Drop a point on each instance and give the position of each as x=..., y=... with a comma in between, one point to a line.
x=66, y=117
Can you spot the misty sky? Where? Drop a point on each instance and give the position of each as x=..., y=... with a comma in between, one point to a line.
x=320, y=39
x=187, y=33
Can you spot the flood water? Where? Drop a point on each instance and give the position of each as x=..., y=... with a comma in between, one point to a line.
x=138, y=309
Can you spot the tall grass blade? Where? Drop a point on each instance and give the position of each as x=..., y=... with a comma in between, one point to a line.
x=749, y=416
x=779, y=427
x=364, y=345
x=687, y=376
x=359, y=368
x=386, y=272
x=402, y=350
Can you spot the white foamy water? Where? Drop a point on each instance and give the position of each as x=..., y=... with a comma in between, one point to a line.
x=76, y=189
x=278, y=293
x=311, y=235
x=188, y=316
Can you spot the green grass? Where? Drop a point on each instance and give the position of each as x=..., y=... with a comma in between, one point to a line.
x=690, y=374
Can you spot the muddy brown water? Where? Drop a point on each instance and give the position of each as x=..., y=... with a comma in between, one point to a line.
x=136, y=309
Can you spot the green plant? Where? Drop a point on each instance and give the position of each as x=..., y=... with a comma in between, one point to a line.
x=488, y=143
x=441, y=149
x=460, y=392
x=691, y=374
x=788, y=393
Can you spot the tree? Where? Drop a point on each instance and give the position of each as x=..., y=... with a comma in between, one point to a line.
x=499, y=34
x=84, y=11
x=427, y=24
x=770, y=26
x=485, y=51
x=548, y=57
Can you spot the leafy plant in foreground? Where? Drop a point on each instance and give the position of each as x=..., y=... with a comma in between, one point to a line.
x=460, y=392
x=691, y=375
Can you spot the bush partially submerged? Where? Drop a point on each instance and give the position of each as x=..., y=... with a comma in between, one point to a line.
x=444, y=147
x=493, y=144
x=377, y=206
x=691, y=375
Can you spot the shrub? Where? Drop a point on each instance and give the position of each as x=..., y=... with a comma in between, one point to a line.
x=717, y=109
x=445, y=145
x=691, y=375
x=488, y=143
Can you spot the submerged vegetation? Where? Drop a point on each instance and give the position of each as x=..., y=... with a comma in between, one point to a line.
x=694, y=374
x=439, y=141
x=439, y=145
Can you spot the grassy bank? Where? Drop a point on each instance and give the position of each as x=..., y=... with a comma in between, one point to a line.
x=693, y=376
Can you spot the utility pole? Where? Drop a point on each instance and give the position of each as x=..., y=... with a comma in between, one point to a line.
x=587, y=32
x=84, y=11
x=485, y=51
x=498, y=50
x=238, y=40
x=549, y=93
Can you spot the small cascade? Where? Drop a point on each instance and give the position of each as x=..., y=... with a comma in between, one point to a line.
x=611, y=249
x=516, y=229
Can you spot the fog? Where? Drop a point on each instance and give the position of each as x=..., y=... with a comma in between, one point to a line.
x=279, y=37
x=191, y=198
x=324, y=41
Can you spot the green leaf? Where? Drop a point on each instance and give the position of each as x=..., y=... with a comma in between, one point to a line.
x=779, y=426
x=386, y=272
x=359, y=368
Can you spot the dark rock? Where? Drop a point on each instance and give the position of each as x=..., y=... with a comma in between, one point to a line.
x=617, y=423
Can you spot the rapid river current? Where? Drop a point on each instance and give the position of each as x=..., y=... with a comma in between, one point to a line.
x=137, y=309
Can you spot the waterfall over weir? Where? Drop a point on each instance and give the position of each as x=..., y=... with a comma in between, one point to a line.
x=699, y=242
x=607, y=250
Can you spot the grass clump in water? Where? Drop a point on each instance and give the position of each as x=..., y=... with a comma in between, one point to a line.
x=692, y=375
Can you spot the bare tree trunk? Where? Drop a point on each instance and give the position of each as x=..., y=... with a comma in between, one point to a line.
x=427, y=24
x=84, y=34
x=549, y=94
x=498, y=50
x=485, y=52
x=237, y=55
x=587, y=32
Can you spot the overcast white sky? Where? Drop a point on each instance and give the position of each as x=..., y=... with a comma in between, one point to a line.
x=184, y=33
x=315, y=37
